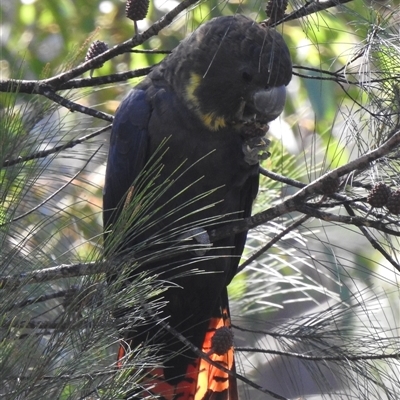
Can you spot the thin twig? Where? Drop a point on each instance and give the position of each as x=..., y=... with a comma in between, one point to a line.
x=374, y=243
x=276, y=239
x=296, y=335
x=53, y=273
x=151, y=51
x=56, y=149
x=311, y=7
x=72, y=106
x=281, y=178
x=106, y=79
x=35, y=324
x=347, y=220
x=42, y=298
x=363, y=357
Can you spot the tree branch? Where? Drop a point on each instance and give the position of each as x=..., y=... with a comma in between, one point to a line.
x=58, y=81
x=31, y=86
x=138, y=39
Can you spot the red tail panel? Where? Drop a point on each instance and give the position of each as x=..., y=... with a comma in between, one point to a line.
x=202, y=381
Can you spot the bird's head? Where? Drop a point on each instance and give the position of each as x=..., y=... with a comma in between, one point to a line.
x=232, y=70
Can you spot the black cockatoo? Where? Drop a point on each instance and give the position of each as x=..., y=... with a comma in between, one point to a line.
x=210, y=101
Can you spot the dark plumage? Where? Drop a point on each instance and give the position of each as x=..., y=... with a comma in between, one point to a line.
x=211, y=99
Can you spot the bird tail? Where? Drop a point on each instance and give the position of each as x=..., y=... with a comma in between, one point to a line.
x=202, y=380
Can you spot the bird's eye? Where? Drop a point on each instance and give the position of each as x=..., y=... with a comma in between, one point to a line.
x=247, y=77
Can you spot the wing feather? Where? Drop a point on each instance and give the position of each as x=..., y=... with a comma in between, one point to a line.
x=127, y=154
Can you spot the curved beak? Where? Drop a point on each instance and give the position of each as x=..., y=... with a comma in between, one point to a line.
x=270, y=102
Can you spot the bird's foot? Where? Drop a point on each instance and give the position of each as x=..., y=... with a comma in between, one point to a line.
x=255, y=143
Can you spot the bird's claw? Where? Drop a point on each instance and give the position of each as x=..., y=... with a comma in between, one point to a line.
x=254, y=150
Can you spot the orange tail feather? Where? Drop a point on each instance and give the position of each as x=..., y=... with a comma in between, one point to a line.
x=202, y=381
